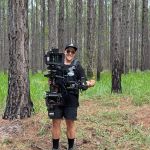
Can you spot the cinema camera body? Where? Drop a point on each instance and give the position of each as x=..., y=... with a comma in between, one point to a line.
x=55, y=62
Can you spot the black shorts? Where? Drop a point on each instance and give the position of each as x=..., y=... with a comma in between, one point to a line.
x=61, y=112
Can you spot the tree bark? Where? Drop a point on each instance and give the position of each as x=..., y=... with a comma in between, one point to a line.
x=5, y=37
x=115, y=48
x=124, y=47
x=33, y=39
x=100, y=54
x=18, y=104
x=37, y=41
x=136, y=48
x=79, y=29
x=42, y=33
x=131, y=14
x=52, y=24
x=145, y=49
x=61, y=26
x=91, y=69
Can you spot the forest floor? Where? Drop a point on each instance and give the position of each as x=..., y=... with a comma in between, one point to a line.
x=115, y=124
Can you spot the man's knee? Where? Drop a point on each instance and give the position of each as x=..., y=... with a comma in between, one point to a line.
x=70, y=125
x=56, y=123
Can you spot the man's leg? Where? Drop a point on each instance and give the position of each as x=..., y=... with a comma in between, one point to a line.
x=70, y=133
x=56, y=130
x=70, y=115
x=70, y=129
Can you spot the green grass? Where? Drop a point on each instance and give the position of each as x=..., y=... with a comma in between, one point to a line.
x=38, y=86
x=137, y=85
x=3, y=89
x=134, y=85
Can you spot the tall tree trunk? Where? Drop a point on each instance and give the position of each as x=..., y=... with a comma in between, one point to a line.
x=42, y=32
x=67, y=24
x=37, y=41
x=61, y=26
x=18, y=104
x=124, y=38
x=136, y=48
x=33, y=39
x=107, y=34
x=100, y=54
x=79, y=28
x=126, y=67
x=131, y=34
x=75, y=21
x=115, y=48
x=52, y=24
x=84, y=35
x=145, y=49
x=5, y=28
x=91, y=72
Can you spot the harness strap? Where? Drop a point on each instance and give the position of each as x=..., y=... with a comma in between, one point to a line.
x=75, y=62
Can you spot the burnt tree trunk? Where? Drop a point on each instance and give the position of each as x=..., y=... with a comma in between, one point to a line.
x=18, y=104
x=116, y=77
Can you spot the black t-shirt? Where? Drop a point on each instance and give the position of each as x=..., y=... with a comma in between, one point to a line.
x=73, y=74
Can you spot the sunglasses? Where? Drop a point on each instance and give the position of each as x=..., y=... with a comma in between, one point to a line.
x=70, y=51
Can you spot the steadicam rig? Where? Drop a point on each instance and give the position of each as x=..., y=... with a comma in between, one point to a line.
x=54, y=61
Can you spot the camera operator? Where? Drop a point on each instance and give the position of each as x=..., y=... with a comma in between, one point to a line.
x=71, y=99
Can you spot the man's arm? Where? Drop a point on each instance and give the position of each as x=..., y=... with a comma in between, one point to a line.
x=90, y=83
x=87, y=83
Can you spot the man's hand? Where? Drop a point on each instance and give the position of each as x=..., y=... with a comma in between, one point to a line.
x=90, y=83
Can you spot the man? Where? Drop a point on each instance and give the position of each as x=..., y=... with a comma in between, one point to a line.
x=71, y=100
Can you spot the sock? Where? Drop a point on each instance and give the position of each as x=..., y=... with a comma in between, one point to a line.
x=70, y=143
x=56, y=143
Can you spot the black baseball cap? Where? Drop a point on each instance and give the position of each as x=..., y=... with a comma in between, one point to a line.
x=72, y=46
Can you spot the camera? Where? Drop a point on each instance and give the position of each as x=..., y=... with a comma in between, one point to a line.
x=54, y=61
x=53, y=57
